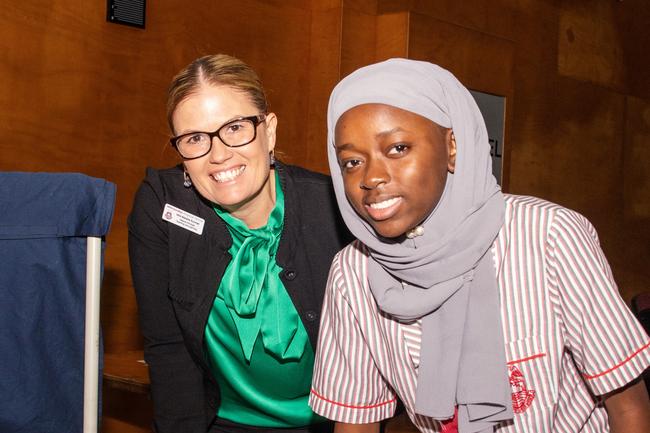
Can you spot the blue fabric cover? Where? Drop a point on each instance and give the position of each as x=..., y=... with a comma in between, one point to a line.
x=44, y=219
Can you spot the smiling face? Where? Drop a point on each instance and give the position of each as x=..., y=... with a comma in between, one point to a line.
x=394, y=165
x=237, y=179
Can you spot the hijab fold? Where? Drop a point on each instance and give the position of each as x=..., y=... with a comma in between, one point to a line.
x=446, y=277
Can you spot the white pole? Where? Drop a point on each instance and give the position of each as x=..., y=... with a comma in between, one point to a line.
x=91, y=342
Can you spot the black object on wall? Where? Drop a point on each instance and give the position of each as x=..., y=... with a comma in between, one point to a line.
x=127, y=12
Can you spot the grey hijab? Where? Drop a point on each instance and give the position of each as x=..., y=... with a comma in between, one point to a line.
x=447, y=275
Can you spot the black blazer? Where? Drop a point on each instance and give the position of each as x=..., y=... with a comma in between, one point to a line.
x=176, y=274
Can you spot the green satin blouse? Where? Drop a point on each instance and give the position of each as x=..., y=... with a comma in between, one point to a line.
x=257, y=346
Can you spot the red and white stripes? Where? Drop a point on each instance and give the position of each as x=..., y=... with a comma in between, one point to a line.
x=567, y=332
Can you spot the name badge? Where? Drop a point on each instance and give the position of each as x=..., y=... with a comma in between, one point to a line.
x=183, y=219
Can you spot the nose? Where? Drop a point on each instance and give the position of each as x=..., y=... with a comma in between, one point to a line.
x=219, y=152
x=375, y=174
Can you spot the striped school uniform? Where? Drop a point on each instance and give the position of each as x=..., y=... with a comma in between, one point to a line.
x=568, y=334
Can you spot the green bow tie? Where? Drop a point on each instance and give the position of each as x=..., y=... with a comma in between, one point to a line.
x=252, y=290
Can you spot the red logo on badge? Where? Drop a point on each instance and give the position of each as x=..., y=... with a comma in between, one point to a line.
x=522, y=397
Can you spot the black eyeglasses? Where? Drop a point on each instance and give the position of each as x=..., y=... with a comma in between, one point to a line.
x=236, y=133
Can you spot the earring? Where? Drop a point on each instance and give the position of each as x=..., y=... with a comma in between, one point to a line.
x=187, y=182
x=272, y=160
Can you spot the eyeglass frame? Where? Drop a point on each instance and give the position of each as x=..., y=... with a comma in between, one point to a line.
x=255, y=119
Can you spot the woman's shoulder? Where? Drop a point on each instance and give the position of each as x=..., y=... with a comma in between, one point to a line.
x=536, y=213
x=169, y=177
x=310, y=191
x=352, y=258
x=160, y=181
x=162, y=186
x=528, y=202
x=305, y=176
x=309, y=197
x=524, y=204
x=350, y=267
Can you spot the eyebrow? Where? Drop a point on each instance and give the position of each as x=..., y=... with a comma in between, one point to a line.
x=382, y=134
x=390, y=131
x=344, y=146
x=194, y=131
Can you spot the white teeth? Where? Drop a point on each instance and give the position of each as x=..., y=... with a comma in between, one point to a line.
x=228, y=175
x=384, y=204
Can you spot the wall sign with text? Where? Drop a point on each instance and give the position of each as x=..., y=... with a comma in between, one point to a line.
x=493, y=110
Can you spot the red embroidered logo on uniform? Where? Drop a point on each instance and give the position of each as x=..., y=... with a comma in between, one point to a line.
x=522, y=397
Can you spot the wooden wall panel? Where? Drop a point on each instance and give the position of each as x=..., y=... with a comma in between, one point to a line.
x=590, y=47
x=392, y=35
x=636, y=159
x=479, y=60
x=324, y=67
x=633, y=229
x=495, y=17
x=632, y=18
x=80, y=94
x=357, y=40
x=574, y=139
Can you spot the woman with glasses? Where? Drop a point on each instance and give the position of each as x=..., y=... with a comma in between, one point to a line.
x=229, y=254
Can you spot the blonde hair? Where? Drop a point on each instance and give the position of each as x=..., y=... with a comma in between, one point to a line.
x=216, y=70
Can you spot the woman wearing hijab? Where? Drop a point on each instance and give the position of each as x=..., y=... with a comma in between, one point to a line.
x=229, y=254
x=480, y=311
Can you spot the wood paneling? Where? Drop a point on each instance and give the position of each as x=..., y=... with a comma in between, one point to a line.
x=324, y=67
x=636, y=159
x=590, y=47
x=632, y=18
x=632, y=239
x=479, y=60
x=357, y=40
x=125, y=412
x=80, y=94
x=575, y=138
x=392, y=35
x=495, y=17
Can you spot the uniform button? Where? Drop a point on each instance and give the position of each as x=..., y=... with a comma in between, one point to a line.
x=290, y=275
x=311, y=315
